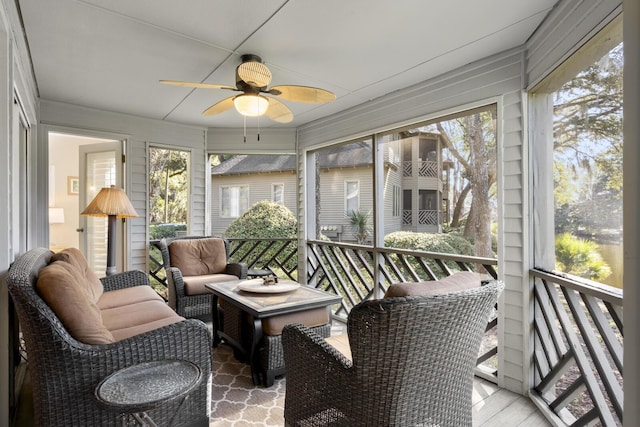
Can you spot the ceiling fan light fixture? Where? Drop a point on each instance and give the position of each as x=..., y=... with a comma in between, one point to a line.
x=251, y=105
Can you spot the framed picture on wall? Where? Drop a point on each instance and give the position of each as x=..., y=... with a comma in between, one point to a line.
x=73, y=185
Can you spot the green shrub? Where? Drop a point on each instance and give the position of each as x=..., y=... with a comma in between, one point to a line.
x=158, y=231
x=266, y=220
x=449, y=243
x=580, y=257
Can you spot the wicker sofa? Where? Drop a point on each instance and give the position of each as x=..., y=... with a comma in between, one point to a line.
x=407, y=359
x=79, y=329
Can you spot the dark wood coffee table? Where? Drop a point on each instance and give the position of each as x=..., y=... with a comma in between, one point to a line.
x=260, y=306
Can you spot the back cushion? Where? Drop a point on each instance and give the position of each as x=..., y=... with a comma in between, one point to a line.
x=74, y=257
x=60, y=284
x=195, y=257
x=456, y=282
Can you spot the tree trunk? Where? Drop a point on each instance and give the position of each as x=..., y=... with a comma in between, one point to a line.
x=479, y=178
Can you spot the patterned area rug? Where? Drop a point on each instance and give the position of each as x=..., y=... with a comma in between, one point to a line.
x=235, y=401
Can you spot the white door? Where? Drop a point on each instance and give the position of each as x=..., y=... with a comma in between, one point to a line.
x=100, y=166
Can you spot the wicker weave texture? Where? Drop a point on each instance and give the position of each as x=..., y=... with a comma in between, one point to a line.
x=64, y=372
x=413, y=362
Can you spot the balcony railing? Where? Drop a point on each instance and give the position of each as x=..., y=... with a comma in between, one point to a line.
x=352, y=270
x=578, y=341
x=578, y=349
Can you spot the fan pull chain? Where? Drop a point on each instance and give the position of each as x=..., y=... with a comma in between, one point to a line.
x=245, y=129
x=258, y=128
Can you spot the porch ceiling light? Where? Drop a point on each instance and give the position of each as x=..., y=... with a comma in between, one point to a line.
x=113, y=203
x=251, y=105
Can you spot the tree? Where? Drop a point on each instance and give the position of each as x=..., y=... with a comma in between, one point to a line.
x=471, y=141
x=588, y=141
x=168, y=185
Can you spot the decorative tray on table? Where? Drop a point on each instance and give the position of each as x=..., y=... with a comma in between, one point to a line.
x=267, y=285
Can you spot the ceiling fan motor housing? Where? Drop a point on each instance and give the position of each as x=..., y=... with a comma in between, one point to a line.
x=252, y=72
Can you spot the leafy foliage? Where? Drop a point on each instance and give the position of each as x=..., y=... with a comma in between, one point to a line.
x=158, y=231
x=168, y=184
x=588, y=150
x=443, y=243
x=264, y=219
x=360, y=225
x=580, y=257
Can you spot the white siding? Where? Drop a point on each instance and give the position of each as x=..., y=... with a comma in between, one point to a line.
x=332, y=181
x=565, y=29
x=272, y=141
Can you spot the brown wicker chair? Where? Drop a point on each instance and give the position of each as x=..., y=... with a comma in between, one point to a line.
x=64, y=372
x=412, y=363
x=195, y=303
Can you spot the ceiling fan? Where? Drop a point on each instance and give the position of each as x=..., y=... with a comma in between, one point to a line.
x=252, y=79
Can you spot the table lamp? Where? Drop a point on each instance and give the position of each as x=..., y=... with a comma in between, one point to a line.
x=113, y=203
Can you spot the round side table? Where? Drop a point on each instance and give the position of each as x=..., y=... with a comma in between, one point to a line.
x=139, y=388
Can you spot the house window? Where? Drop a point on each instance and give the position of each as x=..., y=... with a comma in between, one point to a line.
x=351, y=196
x=580, y=163
x=277, y=193
x=234, y=200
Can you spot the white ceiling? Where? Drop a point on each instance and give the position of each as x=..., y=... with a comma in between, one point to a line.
x=110, y=54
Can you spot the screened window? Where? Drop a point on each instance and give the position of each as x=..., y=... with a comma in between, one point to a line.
x=351, y=196
x=584, y=175
x=234, y=200
x=277, y=193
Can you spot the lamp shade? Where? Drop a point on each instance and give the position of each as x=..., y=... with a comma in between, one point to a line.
x=111, y=201
x=56, y=216
x=251, y=105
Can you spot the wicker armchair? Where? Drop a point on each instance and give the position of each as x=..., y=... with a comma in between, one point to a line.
x=65, y=372
x=187, y=295
x=412, y=363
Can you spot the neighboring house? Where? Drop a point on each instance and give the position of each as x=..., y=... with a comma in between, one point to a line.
x=415, y=190
x=244, y=180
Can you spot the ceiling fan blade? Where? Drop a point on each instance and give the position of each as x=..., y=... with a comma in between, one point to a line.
x=308, y=94
x=196, y=85
x=219, y=107
x=278, y=112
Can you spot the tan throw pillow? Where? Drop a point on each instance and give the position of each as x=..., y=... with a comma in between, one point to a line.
x=456, y=282
x=195, y=257
x=74, y=257
x=60, y=286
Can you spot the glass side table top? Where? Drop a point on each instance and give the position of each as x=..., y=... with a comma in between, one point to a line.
x=147, y=385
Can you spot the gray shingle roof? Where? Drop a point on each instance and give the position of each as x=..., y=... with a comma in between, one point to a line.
x=349, y=155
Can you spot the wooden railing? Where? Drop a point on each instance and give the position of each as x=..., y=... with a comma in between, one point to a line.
x=359, y=273
x=352, y=271
x=578, y=349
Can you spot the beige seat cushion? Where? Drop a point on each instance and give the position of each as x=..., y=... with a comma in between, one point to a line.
x=195, y=257
x=456, y=282
x=341, y=343
x=194, y=285
x=132, y=295
x=133, y=319
x=61, y=286
x=74, y=257
x=313, y=317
